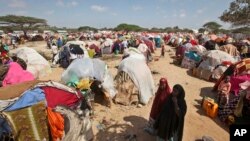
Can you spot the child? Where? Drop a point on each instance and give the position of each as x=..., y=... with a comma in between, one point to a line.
x=162, y=50
x=54, y=50
x=224, y=89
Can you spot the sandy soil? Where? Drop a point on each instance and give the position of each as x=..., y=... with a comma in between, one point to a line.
x=129, y=120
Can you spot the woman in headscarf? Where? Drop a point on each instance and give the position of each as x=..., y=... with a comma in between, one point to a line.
x=161, y=95
x=170, y=123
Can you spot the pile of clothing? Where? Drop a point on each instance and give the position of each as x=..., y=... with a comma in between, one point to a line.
x=27, y=110
x=81, y=72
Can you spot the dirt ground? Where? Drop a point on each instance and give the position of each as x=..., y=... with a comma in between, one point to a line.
x=130, y=120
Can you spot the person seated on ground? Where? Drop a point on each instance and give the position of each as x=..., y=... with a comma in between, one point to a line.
x=63, y=57
x=242, y=110
x=170, y=123
x=160, y=98
x=5, y=59
x=3, y=71
x=224, y=91
x=98, y=52
x=4, y=50
x=116, y=47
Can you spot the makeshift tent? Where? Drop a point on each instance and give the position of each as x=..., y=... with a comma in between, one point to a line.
x=239, y=73
x=230, y=49
x=80, y=44
x=199, y=49
x=134, y=53
x=134, y=78
x=149, y=43
x=212, y=59
x=36, y=64
x=190, y=60
x=106, y=47
x=26, y=111
x=94, y=69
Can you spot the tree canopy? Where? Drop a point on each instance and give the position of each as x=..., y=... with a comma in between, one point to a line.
x=238, y=13
x=23, y=23
x=212, y=26
x=87, y=28
x=128, y=27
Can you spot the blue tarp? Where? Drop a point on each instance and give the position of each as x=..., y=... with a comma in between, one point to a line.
x=29, y=98
x=193, y=56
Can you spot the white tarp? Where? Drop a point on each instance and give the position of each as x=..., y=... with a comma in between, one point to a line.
x=141, y=76
x=134, y=53
x=214, y=58
x=90, y=68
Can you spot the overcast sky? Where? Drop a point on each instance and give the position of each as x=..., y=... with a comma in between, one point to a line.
x=109, y=13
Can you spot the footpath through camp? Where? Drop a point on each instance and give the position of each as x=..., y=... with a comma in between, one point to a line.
x=125, y=121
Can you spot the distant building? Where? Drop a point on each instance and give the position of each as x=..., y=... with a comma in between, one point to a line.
x=18, y=32
x=62, y=32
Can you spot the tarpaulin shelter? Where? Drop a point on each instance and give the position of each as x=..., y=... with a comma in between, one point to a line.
x=36, y=64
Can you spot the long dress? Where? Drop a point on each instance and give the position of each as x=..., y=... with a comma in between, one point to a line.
x=169, y=125
x=159, y=101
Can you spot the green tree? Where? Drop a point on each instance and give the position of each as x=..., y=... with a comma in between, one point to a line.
x=238, y=13
x=155, y=29
x=201, y=30
x=212, y=26
x=23, y=23
x=244, y=30
x=128, y=27
x=187, y=30
x=87, y=28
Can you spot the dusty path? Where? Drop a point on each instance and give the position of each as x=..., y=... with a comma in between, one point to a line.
x=126, y=121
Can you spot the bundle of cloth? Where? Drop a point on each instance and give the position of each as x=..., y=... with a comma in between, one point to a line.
x=28, y=111
x=92, y=69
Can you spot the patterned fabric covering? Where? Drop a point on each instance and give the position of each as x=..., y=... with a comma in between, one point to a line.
x=127, y=91
x=228, y=109
x=29, y=123
x=243, y=65
x=187, y=63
